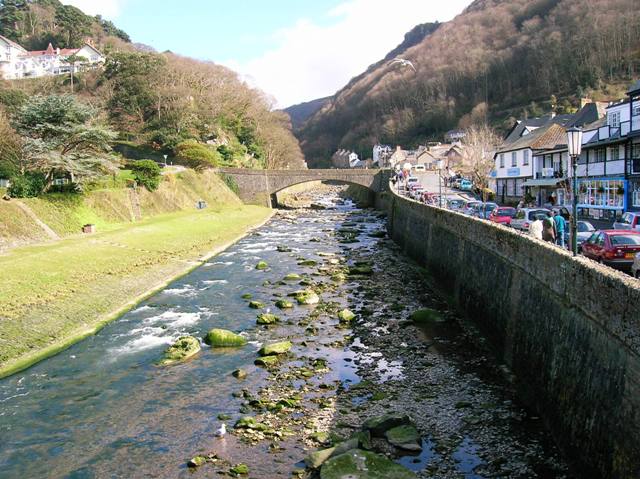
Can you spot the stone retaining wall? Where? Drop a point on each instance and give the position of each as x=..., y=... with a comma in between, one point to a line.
x=568, y=328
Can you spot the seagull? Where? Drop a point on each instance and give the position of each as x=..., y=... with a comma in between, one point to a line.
x=221, y=431
x=403, y=62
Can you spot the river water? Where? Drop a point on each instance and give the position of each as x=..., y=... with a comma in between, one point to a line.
x=103, y=408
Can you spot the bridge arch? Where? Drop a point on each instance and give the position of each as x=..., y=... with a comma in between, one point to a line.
x=259, y=186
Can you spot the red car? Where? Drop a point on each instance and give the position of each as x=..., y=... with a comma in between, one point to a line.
x=615, y=248
x=502, y=215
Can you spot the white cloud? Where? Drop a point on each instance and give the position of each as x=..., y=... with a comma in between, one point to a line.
x=313, y=60
x=106, y=8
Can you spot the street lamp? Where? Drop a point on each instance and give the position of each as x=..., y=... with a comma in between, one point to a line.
x=574, y=143
x=439, y=168
x=165, y=159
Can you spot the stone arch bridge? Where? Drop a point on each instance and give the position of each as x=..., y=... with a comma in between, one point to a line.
x=261, y=186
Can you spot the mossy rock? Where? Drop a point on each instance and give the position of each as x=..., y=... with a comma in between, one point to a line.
x=321, y=437
x=361, y=270
x=346, y=316
x=247, y=296
x=267, y=361
x=308, y=262
x=267, y=318
x=292, y=277
x=249, y=422
x=405, y=437
x=283, y=249
x=222, y=338
x=184, y=348
x=197, y=461
x=426, y=315
x=239, y=470
x=239, y=373
x=284, y=304
x=378, y=234
x=262, y=265
x=273, y=349
x=338, y=277
x=379, y=425
x=256, y=305
x=358, y=464
x=307, y=297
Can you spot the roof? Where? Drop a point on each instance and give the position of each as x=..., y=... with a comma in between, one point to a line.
x=634, y=88
x=12, y=43
x=589, y=113
x=518, y=129
x=548, y=137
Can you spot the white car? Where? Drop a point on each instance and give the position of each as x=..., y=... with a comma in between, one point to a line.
x=635, y=267
x=419, y=168
x=412, y=180
x=416, y=193
x=525, y=216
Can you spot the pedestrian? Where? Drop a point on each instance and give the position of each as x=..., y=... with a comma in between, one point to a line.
x=561, y=226
x=549, y=228
x=521, y=204
x=535, y=229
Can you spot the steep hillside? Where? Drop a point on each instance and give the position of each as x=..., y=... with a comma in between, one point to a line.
x=300, y=112
x=503, y=58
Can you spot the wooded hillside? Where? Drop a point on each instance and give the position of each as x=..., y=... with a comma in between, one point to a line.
x=501, y=59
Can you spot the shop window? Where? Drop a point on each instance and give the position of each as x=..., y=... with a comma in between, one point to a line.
x=601, y=193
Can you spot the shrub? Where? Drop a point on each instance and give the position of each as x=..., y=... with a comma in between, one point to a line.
x=146, y=173
x=196, y=155
x=231, y=182
x=26, y=186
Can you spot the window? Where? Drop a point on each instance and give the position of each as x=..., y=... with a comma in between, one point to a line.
x=614, y=119
x=636, y=110
x=600, y=155
x=525, y=160
x=501, y=160
x=601, y=193
x=511, y=188
x=514, y=159
x=615, y=153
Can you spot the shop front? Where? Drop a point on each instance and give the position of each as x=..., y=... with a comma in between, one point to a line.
x=547, y=192
x=602, y=198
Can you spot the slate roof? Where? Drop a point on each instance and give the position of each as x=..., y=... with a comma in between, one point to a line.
x=634, y=88
x=552, y=136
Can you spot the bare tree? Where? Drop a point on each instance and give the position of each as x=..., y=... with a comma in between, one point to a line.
x=480, y=143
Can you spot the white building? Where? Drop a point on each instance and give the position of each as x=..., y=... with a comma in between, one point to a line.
x=16, y=62
x=381, y=155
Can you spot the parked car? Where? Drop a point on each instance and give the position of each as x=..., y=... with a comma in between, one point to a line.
x=502, y=215
x=455, y=183
x=466, y=185
x=485, y=209
x=635, y=267
x=615, y=248
x=629, y=221
x=471, y=207
x=456, y=204
x=416, y=193
x=585, y=230
x=412, y=180
x=525, y=216
x=419, y=168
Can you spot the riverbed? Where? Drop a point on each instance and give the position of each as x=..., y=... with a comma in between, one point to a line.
x=105, y=408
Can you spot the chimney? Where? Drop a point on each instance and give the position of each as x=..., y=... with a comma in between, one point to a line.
x=58, y=51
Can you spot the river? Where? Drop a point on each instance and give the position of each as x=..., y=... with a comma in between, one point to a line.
x=104, y=408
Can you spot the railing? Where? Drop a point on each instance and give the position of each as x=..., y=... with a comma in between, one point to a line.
x=557, y=173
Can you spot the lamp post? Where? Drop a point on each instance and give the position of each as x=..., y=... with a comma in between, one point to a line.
x=439, y=168
x=574, y=143
x=165, y=159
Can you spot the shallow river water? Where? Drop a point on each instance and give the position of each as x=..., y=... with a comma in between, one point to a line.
x=103, y=408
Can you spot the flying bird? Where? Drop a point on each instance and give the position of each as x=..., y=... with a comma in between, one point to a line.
x=221, y=431
x=403, y=62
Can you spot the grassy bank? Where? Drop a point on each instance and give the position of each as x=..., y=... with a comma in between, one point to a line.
x=54, y=294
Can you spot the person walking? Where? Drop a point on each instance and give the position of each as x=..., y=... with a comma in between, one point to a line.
x=549, y=228
x=561, y=226
x=535, y=229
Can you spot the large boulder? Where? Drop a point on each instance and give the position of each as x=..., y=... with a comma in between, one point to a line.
x=262, y=265
x=256, y=305
x=184, y=348
x=274, y=349
x=380, y=424
x=404, y=437
x=222, y=338
x=358, y=464
x=284, y=304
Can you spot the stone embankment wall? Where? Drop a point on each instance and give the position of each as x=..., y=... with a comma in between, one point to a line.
x=568, y=328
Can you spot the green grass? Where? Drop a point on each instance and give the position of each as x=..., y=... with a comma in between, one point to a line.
x=54, y=294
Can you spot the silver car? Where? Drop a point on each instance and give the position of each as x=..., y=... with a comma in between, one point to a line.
x=525, y=216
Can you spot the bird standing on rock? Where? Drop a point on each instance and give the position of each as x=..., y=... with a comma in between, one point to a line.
x=221, y=431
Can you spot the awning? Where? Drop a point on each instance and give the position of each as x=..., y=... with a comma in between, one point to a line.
x=543, y=182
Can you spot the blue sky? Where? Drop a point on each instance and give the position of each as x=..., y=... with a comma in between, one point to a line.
x=294, y=50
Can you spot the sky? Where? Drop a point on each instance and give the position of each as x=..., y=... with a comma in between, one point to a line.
x=294, y=50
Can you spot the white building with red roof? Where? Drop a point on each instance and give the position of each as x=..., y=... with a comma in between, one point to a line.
x=16, y=62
